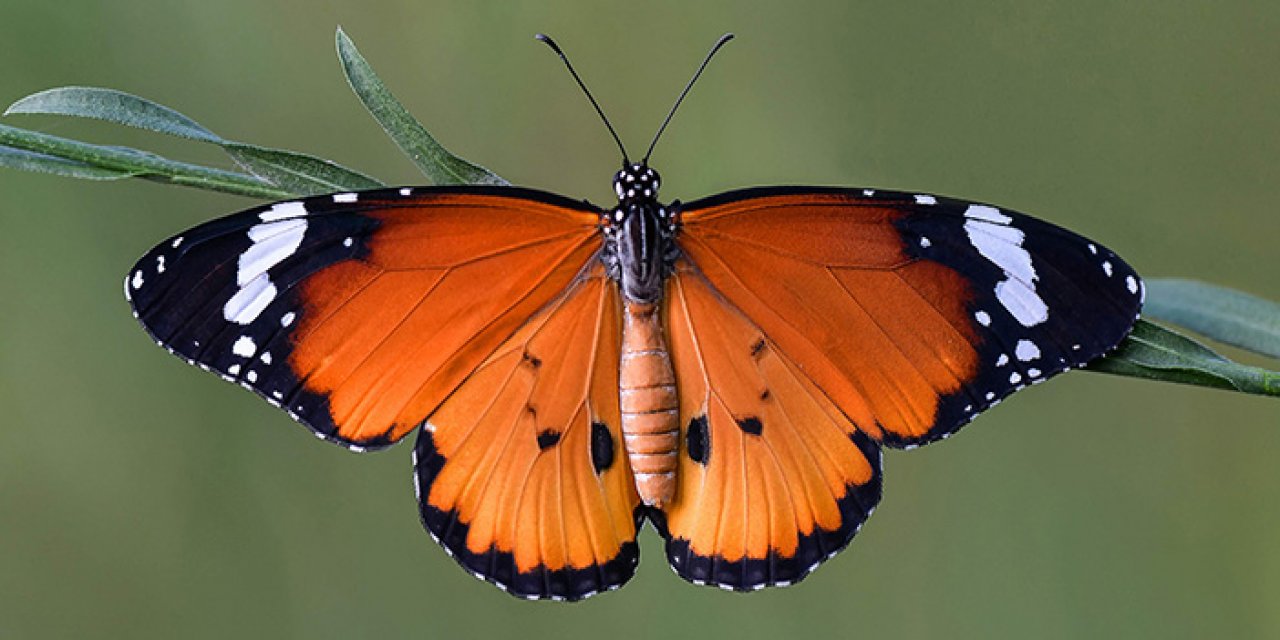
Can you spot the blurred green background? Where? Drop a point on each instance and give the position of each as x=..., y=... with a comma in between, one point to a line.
x=140, y=497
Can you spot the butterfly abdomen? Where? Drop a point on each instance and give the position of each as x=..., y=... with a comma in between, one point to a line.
x=647, y=388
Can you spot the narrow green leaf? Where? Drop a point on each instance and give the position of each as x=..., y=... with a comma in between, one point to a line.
x=297, y=172
x=300, y=173
x=42, y=163
x=1226, y=315
x=1156, y=353
x=141, y=164
x=113, y=106
x=440, y=166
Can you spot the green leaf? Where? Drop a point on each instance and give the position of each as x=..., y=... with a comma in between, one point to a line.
x=42, y=163
x=140, y=164
x=1156, y=353
x=440, y=166
x=113, y=106
x=1226, y=315
x=299, y=173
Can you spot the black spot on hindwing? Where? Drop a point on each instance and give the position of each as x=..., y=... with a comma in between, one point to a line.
x=696, y=440
x=751, y=425
x=601, y=447
x=548, y=439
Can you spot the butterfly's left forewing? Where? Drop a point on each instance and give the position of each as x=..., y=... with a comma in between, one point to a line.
x=360, y=312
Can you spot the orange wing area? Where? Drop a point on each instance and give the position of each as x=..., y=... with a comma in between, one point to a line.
x=828, y=280
x=385, y=337
x=521, y=473
x=772, y=477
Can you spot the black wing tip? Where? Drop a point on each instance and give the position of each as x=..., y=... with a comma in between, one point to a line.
x=1101, y=301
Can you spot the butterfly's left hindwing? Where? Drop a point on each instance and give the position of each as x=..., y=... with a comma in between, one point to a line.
x=359, y=313
x=521, y=473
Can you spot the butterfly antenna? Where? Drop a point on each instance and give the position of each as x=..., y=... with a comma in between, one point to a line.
x=556, y=48
x=719, y=43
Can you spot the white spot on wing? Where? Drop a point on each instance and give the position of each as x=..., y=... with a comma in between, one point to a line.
x=406, y=191
x=1002, y=360
x=983, y=318
x=988, y=213
x=1132, y=283
x=345, y=197
x=347, y=242
x=1003, y=247
x=287, y=319
x=244, y=347
x=1106, y=266
x=924, y=242
x=277, y=238
x=265, y=357
x=925, y=199
x=248, y=303
x=137, y=279
x=273, y=242
x=1022, y=302
x=177, y=242
x=234, y=369
x=283, y=210
x=1015, y=378
x=1027, y=350
x=159, y=264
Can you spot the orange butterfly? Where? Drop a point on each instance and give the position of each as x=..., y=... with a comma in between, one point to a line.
x=727, y=369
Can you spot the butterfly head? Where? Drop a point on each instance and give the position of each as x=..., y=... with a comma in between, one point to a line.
x=636, y=182
x=639, y=246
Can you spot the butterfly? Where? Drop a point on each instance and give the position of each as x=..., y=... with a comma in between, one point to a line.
x=728, y=370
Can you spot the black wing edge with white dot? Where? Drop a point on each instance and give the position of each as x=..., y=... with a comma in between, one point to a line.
x=1044, y=299
x=224, y=296
x=498, y=567
x=776, y=569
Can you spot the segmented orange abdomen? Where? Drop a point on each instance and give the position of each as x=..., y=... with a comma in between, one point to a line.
x=650, y=407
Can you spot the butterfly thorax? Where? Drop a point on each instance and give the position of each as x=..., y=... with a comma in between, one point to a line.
x=639, y=248
x=639, y=253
